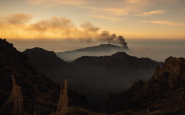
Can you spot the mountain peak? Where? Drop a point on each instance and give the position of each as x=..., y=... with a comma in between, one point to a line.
x=120, y=54
x=38, y=49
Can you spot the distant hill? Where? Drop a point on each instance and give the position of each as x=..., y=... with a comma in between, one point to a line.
x=97, y=77
x=46, y=94
x=101, y=50
x=163, y=93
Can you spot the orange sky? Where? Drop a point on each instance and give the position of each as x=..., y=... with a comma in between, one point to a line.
x=84, y=19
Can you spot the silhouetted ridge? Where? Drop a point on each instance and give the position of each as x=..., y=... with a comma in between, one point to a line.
x=117, y=60
x=33, y=84
x=163, y=93
x=39, y=57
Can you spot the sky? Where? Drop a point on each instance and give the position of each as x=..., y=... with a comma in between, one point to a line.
x=90, y=19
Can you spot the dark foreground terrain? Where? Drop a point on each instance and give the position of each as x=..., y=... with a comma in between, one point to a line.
x=33, y=84
x=162, y=94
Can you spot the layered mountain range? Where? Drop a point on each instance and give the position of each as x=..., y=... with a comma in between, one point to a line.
x=95, y=77
x=162, y=94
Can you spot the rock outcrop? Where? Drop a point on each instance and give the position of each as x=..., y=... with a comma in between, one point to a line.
x=164, y=93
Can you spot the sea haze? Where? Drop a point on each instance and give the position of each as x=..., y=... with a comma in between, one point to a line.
x=155, y=49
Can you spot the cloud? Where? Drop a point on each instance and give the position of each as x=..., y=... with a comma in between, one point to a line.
x=152, y=13
x=52, y=28
x=105, y=9
x=144, y=47
x=110, y=18
x=58, y=2
x=119, y=8
x=137, y=1
x=163, y=22
x=114, y=9
x=16, y=18
x=87, y=26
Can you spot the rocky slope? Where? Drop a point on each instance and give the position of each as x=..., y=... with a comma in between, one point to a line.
x=163, y=93
x=13, y=62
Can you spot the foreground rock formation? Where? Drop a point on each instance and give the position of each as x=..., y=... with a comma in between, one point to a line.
x=163, y=93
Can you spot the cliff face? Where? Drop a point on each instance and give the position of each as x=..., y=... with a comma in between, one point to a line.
x=13, y=62
x=165, y=91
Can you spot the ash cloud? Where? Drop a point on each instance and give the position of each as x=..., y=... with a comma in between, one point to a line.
x=104, y=36
x=113, y=39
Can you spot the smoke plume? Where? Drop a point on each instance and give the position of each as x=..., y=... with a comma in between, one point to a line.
x=113, y=39
x=104, y=36
x=17, y=26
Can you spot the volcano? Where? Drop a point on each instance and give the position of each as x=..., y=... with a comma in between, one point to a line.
x=100, y=50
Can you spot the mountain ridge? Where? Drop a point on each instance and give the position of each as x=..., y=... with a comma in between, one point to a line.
x=113, y=73
x=163, y=93
x=100, y=50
